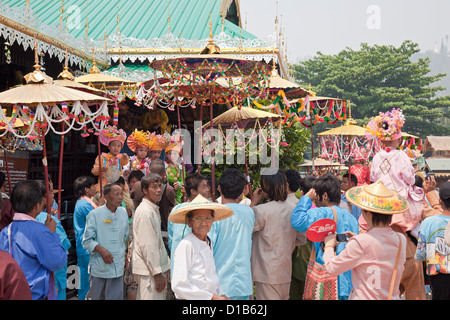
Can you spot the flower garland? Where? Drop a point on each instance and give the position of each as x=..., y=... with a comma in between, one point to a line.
x=45, y=118
x=139, y=165
x=196, y=80
x=327, y=110
x=111, y=160
x=238, y=138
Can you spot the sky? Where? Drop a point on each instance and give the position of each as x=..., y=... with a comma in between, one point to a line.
x=330, y=26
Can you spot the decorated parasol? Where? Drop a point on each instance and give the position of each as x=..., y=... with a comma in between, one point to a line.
x=240, y=118
x=66, y=79
x=35, y=103
x=291, y=90
x=97, y=79
x=10, y=146
x=346, y=142
x=206, y=68
x=321, y=166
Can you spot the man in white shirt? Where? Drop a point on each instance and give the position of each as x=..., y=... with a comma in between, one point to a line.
x=149, y=258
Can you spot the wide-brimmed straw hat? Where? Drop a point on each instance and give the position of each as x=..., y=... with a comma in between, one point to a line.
x=221, y=211
x=376, y=197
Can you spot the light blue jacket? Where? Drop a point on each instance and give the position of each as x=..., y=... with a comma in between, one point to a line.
x=42, y=217
x=82, y=209
x=102, y=229
x=303, y=217
x=233, y=249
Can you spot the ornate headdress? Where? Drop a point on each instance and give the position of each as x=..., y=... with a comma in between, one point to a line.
x=138, y=139
x=175, y=144
x=158, y=141
x=111, y=133
x=386, y=126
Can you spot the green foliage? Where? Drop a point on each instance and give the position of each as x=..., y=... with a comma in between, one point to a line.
x=379, y=78
x=298, y=139
x=290, y=156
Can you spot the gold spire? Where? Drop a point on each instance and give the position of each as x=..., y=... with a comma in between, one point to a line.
x=94, y=69
x=37, y=76
x=168, y=15
x=118, y=34
x=66, y=75
x=211, y=47
x=350, y=120
x=86, y=32
x=36, y=66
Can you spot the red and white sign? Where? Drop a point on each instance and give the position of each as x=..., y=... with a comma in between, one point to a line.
x=320, y=229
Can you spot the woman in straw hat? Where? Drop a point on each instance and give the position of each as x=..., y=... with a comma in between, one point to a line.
x=194, y=274
x=377, y=257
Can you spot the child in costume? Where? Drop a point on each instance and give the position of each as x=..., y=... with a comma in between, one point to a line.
x=394, y=168
x=139, y=143
x=174, y=169
x=157, y=143
x=113, y=162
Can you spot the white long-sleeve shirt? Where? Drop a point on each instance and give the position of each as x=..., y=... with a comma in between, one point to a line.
x=194, y=274
x=149, y=255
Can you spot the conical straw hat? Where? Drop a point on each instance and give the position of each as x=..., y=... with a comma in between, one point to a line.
x=377, y=198
x=221, y=211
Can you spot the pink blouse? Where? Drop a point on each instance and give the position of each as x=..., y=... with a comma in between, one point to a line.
x=371, y=256
x=395, y=170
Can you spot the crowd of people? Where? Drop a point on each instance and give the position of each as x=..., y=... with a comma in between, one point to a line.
x=147, y=230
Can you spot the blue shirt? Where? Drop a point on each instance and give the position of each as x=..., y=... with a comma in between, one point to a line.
x=431, y=245
x=232, y=251
x=303, y=217
x=82, y=209
x=111, y=233
x=356, y=211
x=37, y=251
x=59, y=229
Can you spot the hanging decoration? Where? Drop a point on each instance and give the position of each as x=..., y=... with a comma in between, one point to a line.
x=308, y=111
x=235, y=137
x=46, y=118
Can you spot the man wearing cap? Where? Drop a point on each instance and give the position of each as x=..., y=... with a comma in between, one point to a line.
x=194, y=274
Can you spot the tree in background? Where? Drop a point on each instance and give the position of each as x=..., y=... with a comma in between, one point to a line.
x=379, y=78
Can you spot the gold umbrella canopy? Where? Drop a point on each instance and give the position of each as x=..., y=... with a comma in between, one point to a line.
x=291, y=90
x=236, y=114
x=209, y=66
x=45, y=94
x=40, y=89
x=348, y=129
x=320, y=162
x=66, y=79
x=96, y=77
